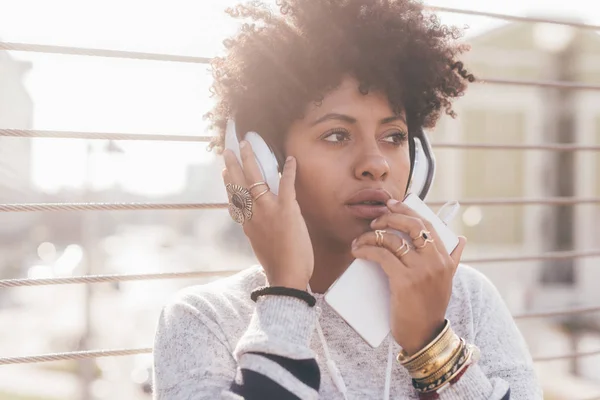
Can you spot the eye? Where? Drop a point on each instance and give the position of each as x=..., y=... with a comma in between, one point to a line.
x=396, y=137
x=337, y=136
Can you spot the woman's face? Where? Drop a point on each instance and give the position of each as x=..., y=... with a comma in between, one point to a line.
x=353, y=155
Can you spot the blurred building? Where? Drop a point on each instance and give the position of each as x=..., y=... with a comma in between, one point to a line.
x=512, y=114
x=16, y=111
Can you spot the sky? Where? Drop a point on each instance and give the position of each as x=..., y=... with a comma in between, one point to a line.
x=116, y=95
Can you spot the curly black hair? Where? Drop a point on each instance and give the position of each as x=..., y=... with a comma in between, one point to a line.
x=278, y=63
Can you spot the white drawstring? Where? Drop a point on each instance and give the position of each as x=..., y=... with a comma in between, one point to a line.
x=388, y=372
x=336, y=375
x=334, y=372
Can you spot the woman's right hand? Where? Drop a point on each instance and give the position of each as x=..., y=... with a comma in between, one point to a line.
x=277, y=230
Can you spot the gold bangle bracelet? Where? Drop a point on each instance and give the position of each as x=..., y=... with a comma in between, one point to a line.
x=470, y=356
x=426, y=386
x=405, y=359
x=438, y=358
x=439, y=362
x=468, y=361
x=446, y=368
x=429, y=351
x=437, y=377
x=433, y=351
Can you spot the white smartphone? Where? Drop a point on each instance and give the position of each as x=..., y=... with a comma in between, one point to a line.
x=361, y=296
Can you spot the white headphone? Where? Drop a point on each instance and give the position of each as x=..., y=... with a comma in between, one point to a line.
x=421, y=157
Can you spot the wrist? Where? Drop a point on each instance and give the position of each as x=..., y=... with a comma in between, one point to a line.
x=290, y=285
x=279, y=325
x=423, y=340
x=288, y=282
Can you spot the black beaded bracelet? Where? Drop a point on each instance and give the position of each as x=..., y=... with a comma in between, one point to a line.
x=284, y=291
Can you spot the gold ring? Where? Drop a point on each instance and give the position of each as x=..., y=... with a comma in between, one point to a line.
x=258, y=184
x=379, y=238
x=405, y=252
x=425, y=243
x=240, y=203
x=425, y=235
x=261, y=194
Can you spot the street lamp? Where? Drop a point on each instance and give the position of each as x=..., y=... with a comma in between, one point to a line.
x=90, y=239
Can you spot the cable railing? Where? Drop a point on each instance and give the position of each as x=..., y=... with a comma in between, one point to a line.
x=113, y=278
x=33, y=133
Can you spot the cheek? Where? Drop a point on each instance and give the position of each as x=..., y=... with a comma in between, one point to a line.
x=317, y=185
x=400, y=167
x=310, y=178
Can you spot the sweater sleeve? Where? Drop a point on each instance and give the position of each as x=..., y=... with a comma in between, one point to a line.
x=272, y=359
x=505, y=369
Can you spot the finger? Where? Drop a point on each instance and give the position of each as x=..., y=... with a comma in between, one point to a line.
x=393, y=243
x=458, y=251
x=287, y=185
x=391, y=265
x=234, y=169
x=411, y=226
x=250, y=166
x=225, y=176
x=399, y=208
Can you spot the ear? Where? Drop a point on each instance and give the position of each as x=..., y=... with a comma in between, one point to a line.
x=279, y=155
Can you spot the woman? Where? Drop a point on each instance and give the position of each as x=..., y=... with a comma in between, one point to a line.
x=336, y=87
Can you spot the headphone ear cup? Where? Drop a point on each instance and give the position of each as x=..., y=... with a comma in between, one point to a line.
x=266, y=160
x=422, y=168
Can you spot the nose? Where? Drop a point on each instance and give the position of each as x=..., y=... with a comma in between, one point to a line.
x=372, y=165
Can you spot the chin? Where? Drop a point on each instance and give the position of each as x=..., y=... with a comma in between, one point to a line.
x=338, y=232
x=353, y=229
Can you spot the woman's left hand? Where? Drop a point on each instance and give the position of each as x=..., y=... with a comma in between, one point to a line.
x=420, y=280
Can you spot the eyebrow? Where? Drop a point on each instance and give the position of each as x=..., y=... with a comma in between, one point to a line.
x=351, y=120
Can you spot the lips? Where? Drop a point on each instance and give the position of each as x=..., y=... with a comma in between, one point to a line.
x=368, y=203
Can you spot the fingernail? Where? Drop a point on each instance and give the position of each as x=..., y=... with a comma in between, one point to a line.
x=290, y=158
x=243, y=144
x=354, y=244
x=373, y=223
x=392, y=202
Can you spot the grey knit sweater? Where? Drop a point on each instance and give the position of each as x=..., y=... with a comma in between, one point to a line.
x=214, y=342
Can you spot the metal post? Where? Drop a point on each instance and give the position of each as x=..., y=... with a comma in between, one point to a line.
x=561, y=172
x=562, y=234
